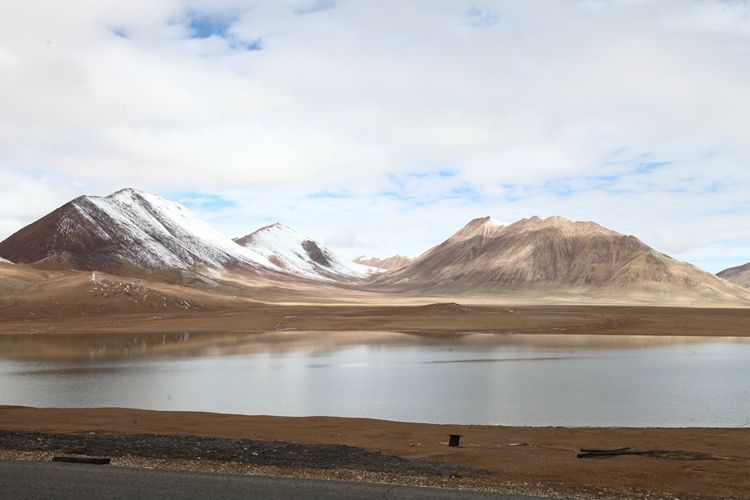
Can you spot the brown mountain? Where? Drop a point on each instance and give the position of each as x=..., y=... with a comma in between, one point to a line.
x=389, y=263
x=556, y=257
x=739, y=275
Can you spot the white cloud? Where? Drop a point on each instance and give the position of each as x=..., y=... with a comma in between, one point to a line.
x=512, y=96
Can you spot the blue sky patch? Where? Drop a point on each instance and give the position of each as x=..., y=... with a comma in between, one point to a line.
x=466, y=192
x=251, y=45
x=204, y=201
x=203, y=24
x=206, y=24
x=316, y=6
x=400, y=179
x=483, y=18
x=119, y=31
x=646, y=168
x=320, y=195
x=395, y=194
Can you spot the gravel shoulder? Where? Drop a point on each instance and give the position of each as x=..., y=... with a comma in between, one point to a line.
x=18, y=447
x=695, y=463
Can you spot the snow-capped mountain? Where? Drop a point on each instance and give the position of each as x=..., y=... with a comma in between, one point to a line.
x=302, y=256
x=127, y=232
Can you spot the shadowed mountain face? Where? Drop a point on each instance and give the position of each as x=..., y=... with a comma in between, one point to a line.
x=552, y=256
x=388, y=264
x=129, y=232
x=739, y=275
x=301, y=256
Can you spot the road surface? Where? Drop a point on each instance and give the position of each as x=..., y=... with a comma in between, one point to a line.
x=35, y=480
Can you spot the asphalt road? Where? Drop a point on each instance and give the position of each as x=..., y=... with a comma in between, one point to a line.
x=34, y=480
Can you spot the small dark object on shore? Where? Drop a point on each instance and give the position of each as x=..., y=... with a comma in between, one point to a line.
x=77, y=459
x=671, y=454
x=454, y=440
x=612, y=452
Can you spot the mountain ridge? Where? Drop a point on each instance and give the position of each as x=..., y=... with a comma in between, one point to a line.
x=391, y=263
x=300, y=255
x=127, y=232
x=739, y=275
x=553, y=256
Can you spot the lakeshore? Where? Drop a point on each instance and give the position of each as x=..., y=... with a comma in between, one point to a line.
x=695, y=461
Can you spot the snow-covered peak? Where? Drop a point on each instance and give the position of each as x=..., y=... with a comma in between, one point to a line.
x=156, y=233
x=300, y=255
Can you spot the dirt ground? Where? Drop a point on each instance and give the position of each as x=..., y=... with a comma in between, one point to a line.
x=432, y=319
x=706, y=462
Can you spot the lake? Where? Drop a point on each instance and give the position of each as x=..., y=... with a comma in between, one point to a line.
x=535, y=380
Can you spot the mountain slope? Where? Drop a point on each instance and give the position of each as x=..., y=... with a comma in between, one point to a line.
x=297, y=254
x=555, y=257
x=127, y=232
x=388, y=264
x=739, y=275
x=4, y=261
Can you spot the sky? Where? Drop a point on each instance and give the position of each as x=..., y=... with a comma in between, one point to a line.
x=382, y=127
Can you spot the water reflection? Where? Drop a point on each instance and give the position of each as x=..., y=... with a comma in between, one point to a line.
x=312, y=344
x=491, y=379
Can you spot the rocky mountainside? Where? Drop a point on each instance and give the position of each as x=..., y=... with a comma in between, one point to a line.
x=297, y=254
x=739, y=275
x=555, y=257
x=388, y=264
x=129, y=233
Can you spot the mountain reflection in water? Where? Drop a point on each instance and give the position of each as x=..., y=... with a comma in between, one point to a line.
x=566, y=380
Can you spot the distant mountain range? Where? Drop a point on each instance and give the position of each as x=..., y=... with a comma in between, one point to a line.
x=739, y=275
x=132, y=233
x=387, y=264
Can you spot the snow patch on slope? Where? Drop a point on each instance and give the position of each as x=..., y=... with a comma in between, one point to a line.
x=161, y=233
x=300, y=255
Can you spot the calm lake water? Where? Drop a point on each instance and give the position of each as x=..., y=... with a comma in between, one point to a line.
x=565, y=380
